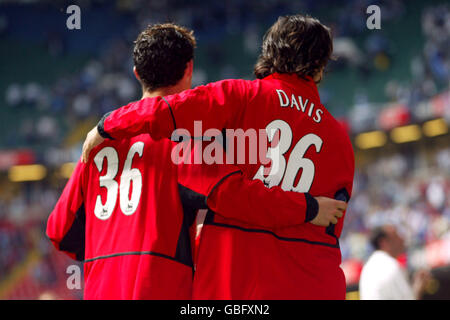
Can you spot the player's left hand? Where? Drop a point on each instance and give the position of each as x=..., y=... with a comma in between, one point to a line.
x=93, y=139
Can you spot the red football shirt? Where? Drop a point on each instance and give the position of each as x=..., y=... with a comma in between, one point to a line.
x=121, y=214
x=310, y=152
x=130, y=251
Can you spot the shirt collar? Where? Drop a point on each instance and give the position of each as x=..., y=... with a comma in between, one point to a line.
x=296, y=80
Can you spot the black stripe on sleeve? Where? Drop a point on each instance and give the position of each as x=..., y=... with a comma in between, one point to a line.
x=191, y=199
x=191, y=202
x=101, y=127
x=312, y=207
x=74, y=240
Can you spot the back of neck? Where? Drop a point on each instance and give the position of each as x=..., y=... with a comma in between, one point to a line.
x=161, y=92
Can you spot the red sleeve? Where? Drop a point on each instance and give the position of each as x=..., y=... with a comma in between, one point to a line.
x=249, y=201
x=233, y=196
x=66, y=223
x=216, y=105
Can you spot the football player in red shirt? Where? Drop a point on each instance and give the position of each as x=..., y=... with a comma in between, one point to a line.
x=311, y=152
x=122, y=213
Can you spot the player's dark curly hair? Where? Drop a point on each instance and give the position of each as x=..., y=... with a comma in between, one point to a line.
x=161, y=53
x=295, y=44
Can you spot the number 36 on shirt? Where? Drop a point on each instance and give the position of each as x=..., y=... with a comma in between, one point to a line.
x=128, y=204
x=283, y=171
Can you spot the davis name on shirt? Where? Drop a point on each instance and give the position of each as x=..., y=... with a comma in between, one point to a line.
x=300, y=104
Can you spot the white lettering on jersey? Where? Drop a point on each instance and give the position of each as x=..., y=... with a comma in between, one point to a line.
x=282, y=103
x=300, y=104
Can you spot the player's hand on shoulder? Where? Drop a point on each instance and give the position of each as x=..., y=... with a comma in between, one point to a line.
x=330, y=210
x=93, y=139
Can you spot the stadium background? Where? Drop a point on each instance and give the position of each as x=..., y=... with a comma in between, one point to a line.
x=390, y=87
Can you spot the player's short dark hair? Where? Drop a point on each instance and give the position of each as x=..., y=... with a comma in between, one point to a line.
x=295, y=44
x=161, y=53
x=376, y=235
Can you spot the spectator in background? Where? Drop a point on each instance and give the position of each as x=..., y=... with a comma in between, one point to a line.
x=382, y=277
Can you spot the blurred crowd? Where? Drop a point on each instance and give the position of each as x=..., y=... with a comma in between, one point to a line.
x=436, y=27
x=107, y=81
x=104, y=82
x=431, y=69
x=22, y=223
x=407, y=190
x=26, y=255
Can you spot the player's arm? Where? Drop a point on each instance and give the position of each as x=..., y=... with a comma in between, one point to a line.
x=226, y=191
x=216, y=105
x=66, y=223
x=237, y=197
x=213, y=104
